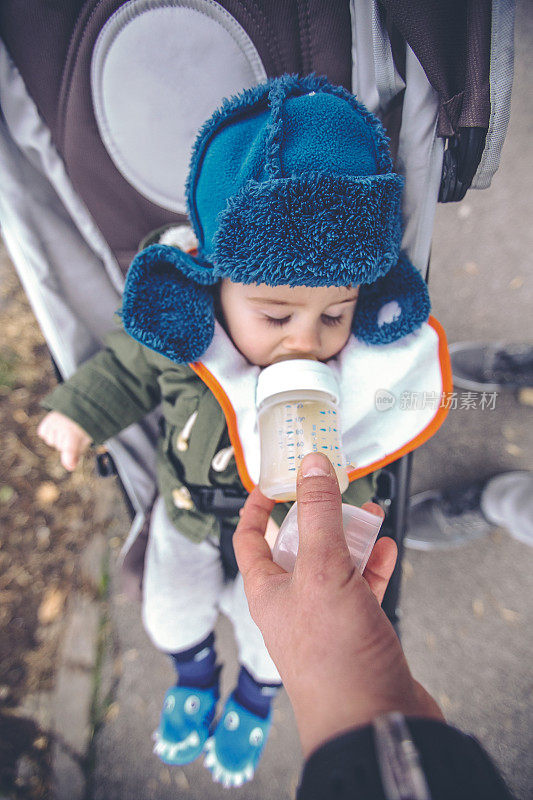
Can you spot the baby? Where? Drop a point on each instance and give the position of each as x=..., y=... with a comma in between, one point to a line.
x=295, y=207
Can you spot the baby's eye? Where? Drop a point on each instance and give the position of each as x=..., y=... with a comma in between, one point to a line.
x=328, y=320
x=277, y=320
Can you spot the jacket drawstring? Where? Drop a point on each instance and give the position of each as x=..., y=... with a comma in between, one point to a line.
x=221, y=459
x=183, y=438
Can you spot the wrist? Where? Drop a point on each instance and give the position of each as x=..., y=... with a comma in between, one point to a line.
x=320, y=722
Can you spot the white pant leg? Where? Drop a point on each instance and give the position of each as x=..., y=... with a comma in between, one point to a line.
x=182, y=584
x=252, y=651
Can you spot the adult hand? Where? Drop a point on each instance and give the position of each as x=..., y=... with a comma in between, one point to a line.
x=338, y=655
x=65, y=435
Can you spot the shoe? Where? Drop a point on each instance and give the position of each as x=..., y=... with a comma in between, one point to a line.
x=507, y=500
x=489, y=367
x=438, y=520
x=235, y=748
x=184, y=727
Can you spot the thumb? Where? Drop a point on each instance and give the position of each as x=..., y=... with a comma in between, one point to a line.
x=322, y=544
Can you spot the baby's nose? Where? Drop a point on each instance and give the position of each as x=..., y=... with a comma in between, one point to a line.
x=303, y=341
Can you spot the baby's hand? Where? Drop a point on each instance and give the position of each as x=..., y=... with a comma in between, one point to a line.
x=64, y=435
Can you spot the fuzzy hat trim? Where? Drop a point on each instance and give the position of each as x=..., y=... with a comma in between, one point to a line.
x=310, y=230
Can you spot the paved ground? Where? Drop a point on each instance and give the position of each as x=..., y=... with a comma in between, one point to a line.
x=467, y=613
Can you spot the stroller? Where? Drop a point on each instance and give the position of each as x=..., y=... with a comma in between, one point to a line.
x=100, y=102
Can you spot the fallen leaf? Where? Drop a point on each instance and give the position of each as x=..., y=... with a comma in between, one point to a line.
x=471, y=268
x=42, y=534
x=513, y=449
x=525, y=396
x=478, y=607
x=509, y=432
x=517, y=282
x=19, y=415
x=131, y=654
x=47, y=493
x=407, y=569
x=112, y=712
x=164, y=777
x=40, y=743
x=509, y=615
x=51, y=606
x=181, y=780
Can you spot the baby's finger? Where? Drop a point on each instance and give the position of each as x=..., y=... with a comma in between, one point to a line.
x=70, y=459
x=50, y=437
x=44, y=430
x=41, y=428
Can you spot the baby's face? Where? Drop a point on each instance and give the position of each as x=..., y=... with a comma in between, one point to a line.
x=267, y=323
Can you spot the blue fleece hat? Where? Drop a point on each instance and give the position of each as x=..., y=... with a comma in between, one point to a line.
x=290, y=183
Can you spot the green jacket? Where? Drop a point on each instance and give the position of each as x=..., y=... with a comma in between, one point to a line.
x=125, y=381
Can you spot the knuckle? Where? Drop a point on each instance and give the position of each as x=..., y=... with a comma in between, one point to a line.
x=318, y=496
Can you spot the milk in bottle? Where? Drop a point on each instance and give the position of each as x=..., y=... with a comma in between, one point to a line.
x=298, y=413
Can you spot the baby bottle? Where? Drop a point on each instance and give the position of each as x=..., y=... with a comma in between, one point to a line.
x=297, y=405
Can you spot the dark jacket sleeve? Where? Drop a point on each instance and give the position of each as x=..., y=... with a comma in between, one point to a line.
x=110, y=391
x=455, y=766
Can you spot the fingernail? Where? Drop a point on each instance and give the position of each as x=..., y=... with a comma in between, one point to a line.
x=315, y=464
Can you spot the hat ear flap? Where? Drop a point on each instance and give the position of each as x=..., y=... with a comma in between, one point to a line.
x=393, y=306
x=168, y=303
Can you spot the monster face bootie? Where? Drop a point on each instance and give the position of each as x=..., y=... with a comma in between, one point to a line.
x=189, y=708
x=235, y=748
x=185, y=723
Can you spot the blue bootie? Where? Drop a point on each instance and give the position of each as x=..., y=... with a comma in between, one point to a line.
x=185, y=723
x=235, y=748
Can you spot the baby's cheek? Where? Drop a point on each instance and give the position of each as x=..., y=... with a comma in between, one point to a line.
x=337, y=340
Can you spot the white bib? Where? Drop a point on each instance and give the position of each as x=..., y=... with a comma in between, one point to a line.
x=391, y=397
